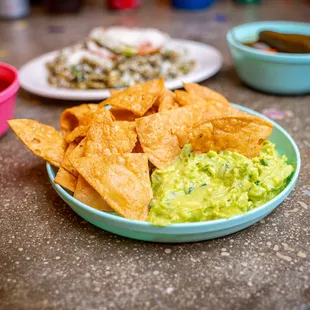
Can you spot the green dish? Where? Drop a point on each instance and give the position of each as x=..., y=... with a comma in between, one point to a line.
x=189, y=232
x=275, y=73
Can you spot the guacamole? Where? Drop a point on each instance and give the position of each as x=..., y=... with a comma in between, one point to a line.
x=202, y=187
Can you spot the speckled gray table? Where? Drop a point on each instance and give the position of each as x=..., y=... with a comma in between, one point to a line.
x=51, y=259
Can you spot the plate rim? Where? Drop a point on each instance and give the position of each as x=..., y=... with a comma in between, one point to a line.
x=215, y=224
x=80, y=95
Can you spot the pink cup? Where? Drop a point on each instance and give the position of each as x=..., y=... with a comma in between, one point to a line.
x=8, y=89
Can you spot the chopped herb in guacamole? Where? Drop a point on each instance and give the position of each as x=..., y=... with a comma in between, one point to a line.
x=202, y=187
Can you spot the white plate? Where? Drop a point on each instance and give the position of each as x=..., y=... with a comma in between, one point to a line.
x=33, y=75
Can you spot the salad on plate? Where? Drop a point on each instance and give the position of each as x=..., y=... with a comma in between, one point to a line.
x=118, y=57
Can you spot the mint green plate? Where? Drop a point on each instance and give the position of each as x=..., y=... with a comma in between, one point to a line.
x=189, y=232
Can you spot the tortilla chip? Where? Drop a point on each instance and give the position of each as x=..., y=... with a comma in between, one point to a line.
x=125, y=115
x=126, y=135
x=75, y=155
x=167, y=102
x=185, y=98
x=101, y=136
x=43, y=140
x=78, y=133
x=157, y=139
x=76, y=116
x=106, y=137
x=138, y=98
x=134, y=162
x=66, y=164
x=150, y=111
x=162, y=135
x=122, y=115
x=205, y=92
x=65, y=179
x=86, y=194
x=123, y=182
x=242, y=134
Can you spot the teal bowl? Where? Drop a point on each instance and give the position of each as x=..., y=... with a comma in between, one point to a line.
x=189, y=232
x=279, y=73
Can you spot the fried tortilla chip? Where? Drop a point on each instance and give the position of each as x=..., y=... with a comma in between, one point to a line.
x=66, y=164
x=125, y=115
x=65, y=179
x=205, y=92
x=78, y=133
x=242, y=134
x=163, y=134
x=122, y=115
x=106, y=137
x=123, y=182
x=76, y=116
x=138, y=98
x=75, y=155
x=166, y=101
x=126, y=135
x=43, y=140
x=150, y=111
x=101, y=136
x=185, y=98
x=135, y=163
x=157, y=139
x=86, y=194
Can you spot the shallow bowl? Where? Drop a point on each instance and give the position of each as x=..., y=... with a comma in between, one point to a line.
x=276, y=73
x=189, y=232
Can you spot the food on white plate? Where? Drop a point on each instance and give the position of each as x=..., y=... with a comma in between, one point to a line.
x=117, y=57
x=129, y=41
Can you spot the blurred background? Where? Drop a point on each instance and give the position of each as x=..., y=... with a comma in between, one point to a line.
x=56, y=23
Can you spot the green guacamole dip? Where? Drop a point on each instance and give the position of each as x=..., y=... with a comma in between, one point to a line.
x=202, y=187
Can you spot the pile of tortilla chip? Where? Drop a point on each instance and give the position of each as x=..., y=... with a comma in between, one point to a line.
x=103, y=150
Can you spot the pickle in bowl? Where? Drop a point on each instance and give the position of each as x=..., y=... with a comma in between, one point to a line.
x=279, y=62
